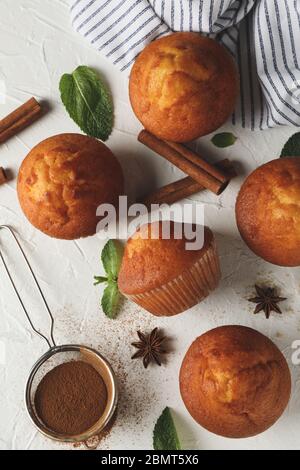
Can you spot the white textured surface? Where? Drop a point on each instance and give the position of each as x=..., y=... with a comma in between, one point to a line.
x=37, y=45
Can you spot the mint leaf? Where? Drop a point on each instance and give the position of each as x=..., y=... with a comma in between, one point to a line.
x=224, y=139
x=292, y=147
x=88, y=102
x=99, y=280
x=112, y=258
x=110, y=299
x=165, y=435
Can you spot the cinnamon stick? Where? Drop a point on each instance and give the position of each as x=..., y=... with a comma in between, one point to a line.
x=3, y=177
x=184, y=187
x=19, y=119
x=187, y=161
x=198, y=160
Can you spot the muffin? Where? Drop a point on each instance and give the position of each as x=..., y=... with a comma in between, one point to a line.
x=162, y=275
x=268, y=211
x=235, y=382
x=183, y=86
x=63, y=180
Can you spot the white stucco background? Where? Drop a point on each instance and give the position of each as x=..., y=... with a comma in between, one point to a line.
x=38, y=45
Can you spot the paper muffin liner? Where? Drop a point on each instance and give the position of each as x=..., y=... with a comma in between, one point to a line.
x=186, y=290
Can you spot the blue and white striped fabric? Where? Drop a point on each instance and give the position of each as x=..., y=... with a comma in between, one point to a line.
x=262, y=35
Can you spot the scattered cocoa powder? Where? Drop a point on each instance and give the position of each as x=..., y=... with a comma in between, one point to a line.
x=71, y=398
x=98, y=440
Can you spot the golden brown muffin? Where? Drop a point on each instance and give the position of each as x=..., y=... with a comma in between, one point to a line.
x=63, y=180
x=235, y=382
x=162, y=276
x=183, y=86
x=268, y=211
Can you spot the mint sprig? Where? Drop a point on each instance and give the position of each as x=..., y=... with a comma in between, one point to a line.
x=111, y=258
x=165, y=436
x=88, y=101
x=100, y=280
x=292, y=147
x=224, y=139
x=110, y=299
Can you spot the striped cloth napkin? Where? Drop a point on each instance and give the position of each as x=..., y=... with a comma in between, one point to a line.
x=262, y=35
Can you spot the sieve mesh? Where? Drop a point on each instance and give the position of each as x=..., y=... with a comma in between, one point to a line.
x=57, y=355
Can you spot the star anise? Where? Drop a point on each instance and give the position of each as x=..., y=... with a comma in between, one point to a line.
x=266, y=300
x=149, y=347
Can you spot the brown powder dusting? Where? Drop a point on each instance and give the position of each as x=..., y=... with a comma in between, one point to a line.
x=71, y=398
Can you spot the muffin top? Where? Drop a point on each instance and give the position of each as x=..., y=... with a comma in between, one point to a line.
x=151, y=262
x=235, y=382
x=268, y=211
x=63, y=180
x=183, y=86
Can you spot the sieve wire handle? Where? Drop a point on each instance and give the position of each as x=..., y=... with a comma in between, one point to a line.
x=10, y=230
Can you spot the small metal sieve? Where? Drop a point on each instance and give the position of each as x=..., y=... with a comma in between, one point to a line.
x=57, y=355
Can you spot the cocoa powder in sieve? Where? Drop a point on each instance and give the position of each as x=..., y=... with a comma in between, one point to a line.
x=71, y=398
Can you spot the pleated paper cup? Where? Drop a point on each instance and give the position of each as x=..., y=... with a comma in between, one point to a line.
x=185, y=290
